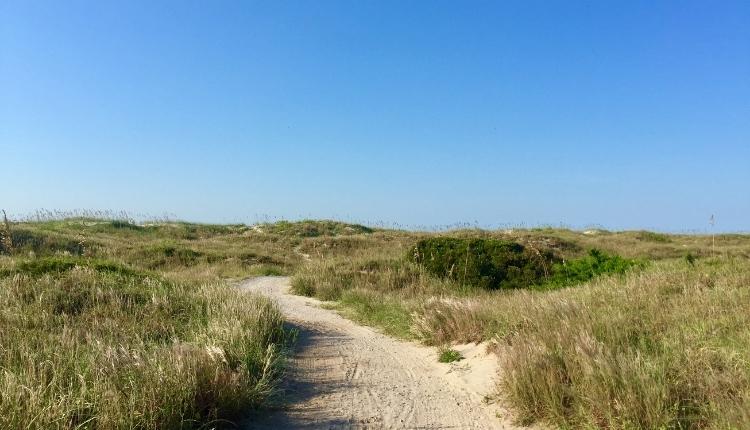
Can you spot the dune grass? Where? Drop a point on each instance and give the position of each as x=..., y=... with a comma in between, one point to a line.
x=661, y=341
x=664, y=348
x=95, y=345
x=107, y=324
x=174, y=249
x=110, y=324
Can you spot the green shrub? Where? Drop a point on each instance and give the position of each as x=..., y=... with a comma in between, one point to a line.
x=485, y=263
x=251, y=258
x=596, y=263
x=267, y=270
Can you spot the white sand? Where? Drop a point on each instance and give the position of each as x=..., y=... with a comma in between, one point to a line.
x=343, y=375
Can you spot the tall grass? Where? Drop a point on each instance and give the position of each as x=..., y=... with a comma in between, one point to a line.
x=175, y=249
x=108, y=324
x=659, y=346
x=665, y=348
x=101, y=346
x=112, y=324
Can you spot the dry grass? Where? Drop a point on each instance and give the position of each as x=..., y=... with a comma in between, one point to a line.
x=666, y=346
x=109, y=325
x=95, y=348
x=177, y=250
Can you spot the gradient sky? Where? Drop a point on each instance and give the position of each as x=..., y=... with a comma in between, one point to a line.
x=621, y=114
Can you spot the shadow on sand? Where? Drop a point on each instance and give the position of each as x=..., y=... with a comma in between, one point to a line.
x=293, y=410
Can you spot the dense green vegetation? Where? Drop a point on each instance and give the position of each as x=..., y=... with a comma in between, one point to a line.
x=501, y=264
x=579, y=270
x=484, y=263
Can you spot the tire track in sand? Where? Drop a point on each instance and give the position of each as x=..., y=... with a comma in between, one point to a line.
x=345, y=376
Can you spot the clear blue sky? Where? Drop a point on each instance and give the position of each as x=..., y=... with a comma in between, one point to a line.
x=624, y=114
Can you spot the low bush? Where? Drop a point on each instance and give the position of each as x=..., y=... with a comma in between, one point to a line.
x=485, y=263
x=690, y=259
x=251, y=258
x=580, y=270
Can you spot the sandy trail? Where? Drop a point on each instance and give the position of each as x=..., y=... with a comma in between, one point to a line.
x=345, y=376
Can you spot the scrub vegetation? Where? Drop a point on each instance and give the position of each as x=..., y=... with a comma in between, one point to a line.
x=113, y=324
x=595, y=329
x=107, y=324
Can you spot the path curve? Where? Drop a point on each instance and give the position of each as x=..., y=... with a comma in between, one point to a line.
x=346, y=376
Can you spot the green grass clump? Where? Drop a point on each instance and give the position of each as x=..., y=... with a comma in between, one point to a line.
x=690, y=259
x=303, y=286
x=448, y=355
x=375, y=310
x=484, y=263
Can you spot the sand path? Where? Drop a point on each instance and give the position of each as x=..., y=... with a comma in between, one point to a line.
x=346, y=376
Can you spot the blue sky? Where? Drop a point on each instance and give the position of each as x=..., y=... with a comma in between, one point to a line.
x=622, y=114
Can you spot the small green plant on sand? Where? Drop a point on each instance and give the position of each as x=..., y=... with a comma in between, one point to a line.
x=449, y=355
